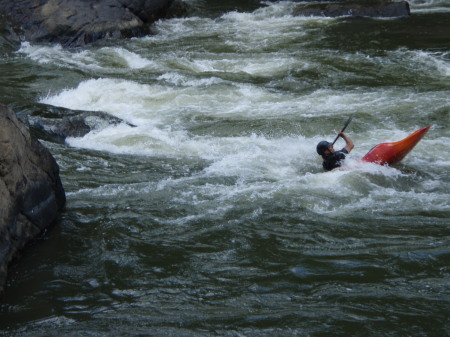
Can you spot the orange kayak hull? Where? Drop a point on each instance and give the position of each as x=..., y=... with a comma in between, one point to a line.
x=392, y=153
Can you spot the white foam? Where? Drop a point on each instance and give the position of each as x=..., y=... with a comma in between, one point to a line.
x=432, y=63
x=55, y=54
x=268, y=65
x=182, y=80
x=266, y=27
x=165, y=103
x=133, y=101
x=107, y=59
x=427, y=6
x=52, y=321
x=131, y=60
x=125, y=99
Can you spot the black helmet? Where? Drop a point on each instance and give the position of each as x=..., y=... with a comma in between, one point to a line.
x=322, y=146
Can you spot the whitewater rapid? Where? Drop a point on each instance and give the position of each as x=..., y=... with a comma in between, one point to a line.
x=211, y=215
x=254, y=104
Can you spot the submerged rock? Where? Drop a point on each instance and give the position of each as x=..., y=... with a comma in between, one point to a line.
x=364, y=9
x=31, y=193
x=60, y=123
x=78, y=22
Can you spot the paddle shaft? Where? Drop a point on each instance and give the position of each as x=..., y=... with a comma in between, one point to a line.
x=343, y=129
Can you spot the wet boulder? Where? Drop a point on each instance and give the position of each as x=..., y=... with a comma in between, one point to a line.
x=56, y=123
x=361, y=9
x=79, y=22
x=31, y=193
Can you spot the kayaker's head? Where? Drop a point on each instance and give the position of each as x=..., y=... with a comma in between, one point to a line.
x=324, y=148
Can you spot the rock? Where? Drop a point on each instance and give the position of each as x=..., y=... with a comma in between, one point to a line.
x=60, y=123
x=74, y=23
x=369, y=9
x=31, y=193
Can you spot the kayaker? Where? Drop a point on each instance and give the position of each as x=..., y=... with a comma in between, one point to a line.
x=331, y=158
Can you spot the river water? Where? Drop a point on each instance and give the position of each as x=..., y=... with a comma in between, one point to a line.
x=212, y=217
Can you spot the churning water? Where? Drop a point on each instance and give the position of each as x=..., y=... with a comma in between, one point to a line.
x=212, y=216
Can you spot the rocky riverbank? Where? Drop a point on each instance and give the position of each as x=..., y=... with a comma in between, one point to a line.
x=74, y=23
x=31, y=193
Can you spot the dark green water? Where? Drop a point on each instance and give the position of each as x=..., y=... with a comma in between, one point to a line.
x=212, y=217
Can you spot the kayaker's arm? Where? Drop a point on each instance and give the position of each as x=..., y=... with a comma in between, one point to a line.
x=349, y=143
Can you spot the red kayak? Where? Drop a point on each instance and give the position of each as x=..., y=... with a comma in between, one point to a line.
x=392, y=153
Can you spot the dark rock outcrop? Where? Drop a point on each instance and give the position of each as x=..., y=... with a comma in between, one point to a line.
x=60, y=123
x=31, y=193
x=364, y=9
x=78, y=22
